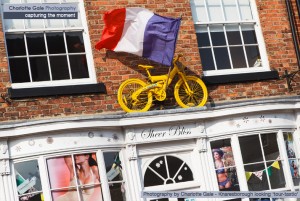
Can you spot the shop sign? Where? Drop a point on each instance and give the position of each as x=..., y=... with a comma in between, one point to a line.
x=164, y=133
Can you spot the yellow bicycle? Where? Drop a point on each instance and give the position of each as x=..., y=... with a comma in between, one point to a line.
x=135, y=95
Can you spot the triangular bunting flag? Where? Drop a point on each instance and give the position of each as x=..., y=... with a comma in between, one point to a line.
x=248, y=175
x=276, y=165
x=269, y=169
x=258, y=174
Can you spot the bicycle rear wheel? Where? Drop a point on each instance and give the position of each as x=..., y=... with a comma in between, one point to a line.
x=196, y=98
x=127, y=88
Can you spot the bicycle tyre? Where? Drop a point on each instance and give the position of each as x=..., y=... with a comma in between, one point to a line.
x=144, y=100
x=199, y=94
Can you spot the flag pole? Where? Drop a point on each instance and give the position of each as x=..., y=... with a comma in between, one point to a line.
x=172, y=58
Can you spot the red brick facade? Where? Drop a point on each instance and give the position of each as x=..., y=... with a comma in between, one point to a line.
x=113, y=68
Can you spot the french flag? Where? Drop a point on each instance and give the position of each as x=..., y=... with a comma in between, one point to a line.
x=141, y=32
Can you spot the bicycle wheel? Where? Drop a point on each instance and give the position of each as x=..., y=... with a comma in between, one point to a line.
x=143, y=102
x=196, y=98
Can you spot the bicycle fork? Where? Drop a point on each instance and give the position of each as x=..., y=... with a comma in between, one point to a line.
x=187, y=87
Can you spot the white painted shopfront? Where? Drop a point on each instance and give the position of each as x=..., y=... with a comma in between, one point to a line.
x=169, y=150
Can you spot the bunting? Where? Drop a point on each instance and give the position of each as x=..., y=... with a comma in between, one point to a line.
x=259, y=173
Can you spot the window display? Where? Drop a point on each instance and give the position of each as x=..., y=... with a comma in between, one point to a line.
x=262, y=162
x=28, y=181
x=293, y=160
x=114, y=174
x=75, y=176
x=224, y=165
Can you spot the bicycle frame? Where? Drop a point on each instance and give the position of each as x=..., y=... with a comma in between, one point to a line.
x=159, y=83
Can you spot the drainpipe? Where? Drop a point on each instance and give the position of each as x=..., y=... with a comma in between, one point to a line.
x=298, y=7
x=289, y=76
x=293, y=28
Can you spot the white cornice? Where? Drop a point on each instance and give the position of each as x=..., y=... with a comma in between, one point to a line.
x=152, y=117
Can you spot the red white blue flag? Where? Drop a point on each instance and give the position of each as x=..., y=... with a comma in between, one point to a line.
x=141, y=32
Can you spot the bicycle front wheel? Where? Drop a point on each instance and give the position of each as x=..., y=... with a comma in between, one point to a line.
x=143, y=101
x=196, y=97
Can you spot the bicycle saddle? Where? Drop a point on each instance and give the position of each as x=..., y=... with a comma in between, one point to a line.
x=145, y=67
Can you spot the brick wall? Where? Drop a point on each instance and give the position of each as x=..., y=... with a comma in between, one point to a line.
x=113, y=68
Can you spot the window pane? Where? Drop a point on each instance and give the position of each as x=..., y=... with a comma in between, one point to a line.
x=230, y=9
x=55, y=43
x=233, y=35
x=270, y=147
x=217, y=35
x=203, y=39
x=258, y=180
x=35, y=43
x=245, y=9
x=15, y=44
x=238, y=57
x=34, y=23
x=117, y=192
x=289, y=145
x=19, y=70
x=91, y=193
x=53, y=23
x=178, y=172
x=276, y=176
x=253, y=56
x=214, y=10
x=294, y=167
x=250, y=149
x=28, y=180
x=113, y=166
x=249, y=36
x=59, y=67
x=222, y=58
x=159, y=166
x=84, y=163
x=61, y=173
x=75, y=42
x=152, y=179
x=13, y=23
x=207, y=59
x=225, y=165
x=65, y=195
x=39, y=69
x=79, y=66
x=198, y=11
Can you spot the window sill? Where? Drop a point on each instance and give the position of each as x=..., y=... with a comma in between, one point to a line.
x=55, y=91
x=243, y=77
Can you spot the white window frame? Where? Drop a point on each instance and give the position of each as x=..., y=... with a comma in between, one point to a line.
x=260, y=41
x=239, y=161
x=88, y=48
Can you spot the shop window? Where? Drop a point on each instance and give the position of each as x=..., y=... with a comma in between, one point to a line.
x=75, y=177
x=114, y=176
x=48, y=52
x=262, y=162
x=28, y=181
x=166, y=170
x=293, y=159
x=229, y=37
x=225, y=167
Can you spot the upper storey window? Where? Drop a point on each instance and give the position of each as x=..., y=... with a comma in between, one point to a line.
x=229, y=37
x=48, y=52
